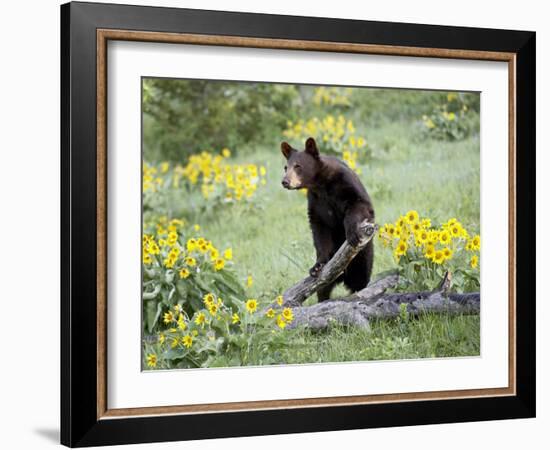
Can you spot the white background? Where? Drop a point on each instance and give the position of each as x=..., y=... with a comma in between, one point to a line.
x=128, y=387
x=29, y=185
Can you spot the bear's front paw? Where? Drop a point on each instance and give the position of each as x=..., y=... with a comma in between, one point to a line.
x=316, y=269
x=353, y=238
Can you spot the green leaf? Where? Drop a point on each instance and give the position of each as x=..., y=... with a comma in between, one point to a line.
x=174, y=353
x=152, y=313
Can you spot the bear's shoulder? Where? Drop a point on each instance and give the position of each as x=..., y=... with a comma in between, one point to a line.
x=338, y=174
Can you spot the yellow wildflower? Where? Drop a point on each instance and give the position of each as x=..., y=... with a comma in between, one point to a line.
x=251, y=305
x=412, y=216
x=168, y=317
x=214, y=254
x=172, y=238
x=152, y=360
x=200, y=319
x=444, y=237
x=213, y=309
x=474, y=261
x=423, y=236
x=455, y=230
x=191, y=245
x=401, y=248
x=430, y=251
x=209, y=299
x=219, y=264
x=187, y=341
x=447, y=253
x=288, y=315
x=181, y=322
x=153, y=248
x=439, y=257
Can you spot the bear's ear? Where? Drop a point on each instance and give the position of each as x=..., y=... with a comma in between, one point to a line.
x=311, y=148
x=286, y=149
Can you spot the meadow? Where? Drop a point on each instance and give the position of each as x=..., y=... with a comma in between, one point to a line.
x=403, y=165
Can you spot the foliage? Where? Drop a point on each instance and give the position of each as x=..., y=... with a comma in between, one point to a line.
x=179, y=267
x=449, y=120
x=338, y=135
x=332, y=96
x=182, y=115
x=193, y=326
x=425, y=252
x=378, y=106
x=219, y=335
x=220, y=181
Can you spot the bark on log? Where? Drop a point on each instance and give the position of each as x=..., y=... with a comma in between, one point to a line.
x=359, y=308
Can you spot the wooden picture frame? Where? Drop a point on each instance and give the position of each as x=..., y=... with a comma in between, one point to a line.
x=86, y=418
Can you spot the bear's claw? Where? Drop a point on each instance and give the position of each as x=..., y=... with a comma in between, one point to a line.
x=353, y=238
x=316, y=270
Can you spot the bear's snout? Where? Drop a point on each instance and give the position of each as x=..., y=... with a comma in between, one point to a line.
x=285, y=183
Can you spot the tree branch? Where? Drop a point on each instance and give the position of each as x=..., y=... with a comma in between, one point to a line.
x=296, y=295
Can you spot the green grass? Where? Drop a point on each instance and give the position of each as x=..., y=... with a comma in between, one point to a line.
x=429, y=337
x=272, y=241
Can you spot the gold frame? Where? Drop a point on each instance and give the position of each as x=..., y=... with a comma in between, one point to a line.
x=103, y=36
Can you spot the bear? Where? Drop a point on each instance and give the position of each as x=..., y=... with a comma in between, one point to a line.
x=337, y=203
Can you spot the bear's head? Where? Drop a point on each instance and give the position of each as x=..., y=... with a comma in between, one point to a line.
x=301, y=166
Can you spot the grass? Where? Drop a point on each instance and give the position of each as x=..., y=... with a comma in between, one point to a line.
x=272, y=241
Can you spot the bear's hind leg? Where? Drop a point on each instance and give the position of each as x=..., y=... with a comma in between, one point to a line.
x=324, y=293
x=358, y=272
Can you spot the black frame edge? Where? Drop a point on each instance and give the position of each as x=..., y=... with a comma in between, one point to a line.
x=65, y=416
x=525, y=223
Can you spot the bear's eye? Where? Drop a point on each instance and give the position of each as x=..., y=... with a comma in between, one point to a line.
x=285, y=168
x=297, y=166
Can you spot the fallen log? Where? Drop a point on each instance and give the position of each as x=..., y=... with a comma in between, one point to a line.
x=359, y=308
x=371, y=302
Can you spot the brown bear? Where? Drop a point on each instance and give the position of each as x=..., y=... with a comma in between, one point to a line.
x=337, y=204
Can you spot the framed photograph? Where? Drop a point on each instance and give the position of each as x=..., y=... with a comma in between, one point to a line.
x=276, y=224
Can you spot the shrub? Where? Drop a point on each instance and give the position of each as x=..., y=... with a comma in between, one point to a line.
x=219, y=181
x=450, y=120
x=219, y=335
x=332, y=96
x=335, y=135
x=179, y=267
x=424, y=252
x=182, y=115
